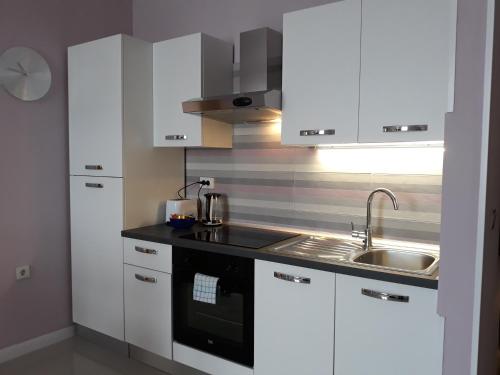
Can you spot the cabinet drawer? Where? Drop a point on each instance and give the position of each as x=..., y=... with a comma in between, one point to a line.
x=148, y=316
x=152, y=255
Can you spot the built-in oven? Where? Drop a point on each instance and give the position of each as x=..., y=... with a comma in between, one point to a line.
x=224, y=328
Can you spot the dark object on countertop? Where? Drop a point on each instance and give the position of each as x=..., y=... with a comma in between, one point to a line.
x=182, y=223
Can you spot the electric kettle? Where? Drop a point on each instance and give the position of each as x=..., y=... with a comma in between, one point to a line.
x=213, y=209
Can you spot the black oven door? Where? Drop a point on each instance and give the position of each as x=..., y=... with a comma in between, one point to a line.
x=225, y=328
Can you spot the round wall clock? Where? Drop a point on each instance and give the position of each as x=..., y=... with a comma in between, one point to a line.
x=24, y=73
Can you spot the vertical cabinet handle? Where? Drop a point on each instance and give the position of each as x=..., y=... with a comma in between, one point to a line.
x=143, y=250
x=146, y=279
x=292, y=278
x=93, y=185
x=176, y=137
x=385, y=296
x=94, y=167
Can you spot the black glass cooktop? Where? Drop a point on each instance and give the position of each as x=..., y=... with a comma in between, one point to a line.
x=252, y=238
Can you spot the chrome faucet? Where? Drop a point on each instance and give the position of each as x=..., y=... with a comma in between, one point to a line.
x=367, y=234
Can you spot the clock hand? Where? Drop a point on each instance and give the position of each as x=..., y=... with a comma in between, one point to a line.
x=14, y=70
x=23, y=71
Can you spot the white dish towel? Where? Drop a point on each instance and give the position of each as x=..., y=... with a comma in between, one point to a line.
x=205, y=288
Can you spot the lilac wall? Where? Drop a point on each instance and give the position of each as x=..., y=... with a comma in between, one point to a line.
x=34, y=219
x=156, y=20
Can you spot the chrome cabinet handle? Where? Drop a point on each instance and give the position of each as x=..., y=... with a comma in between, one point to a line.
x=93, y=185
x=405, y=128
x=306, y=133
x=94, y=167
x=146, y=279
x=385, y=296
x=143, y=250
x=176, y=137
x=292, y=278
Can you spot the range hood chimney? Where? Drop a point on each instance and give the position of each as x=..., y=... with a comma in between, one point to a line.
x=260, y=83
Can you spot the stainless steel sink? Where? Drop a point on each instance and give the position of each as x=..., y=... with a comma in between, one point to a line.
x=401, y=260
x=384, y=257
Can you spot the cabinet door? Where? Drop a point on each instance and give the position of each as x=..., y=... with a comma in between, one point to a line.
x=321, y=58
x=177, y=78
x=95, y=107
x=294, y=320
x=386, y=337
x=96, y=253
x=148, y=316
x=407, y=68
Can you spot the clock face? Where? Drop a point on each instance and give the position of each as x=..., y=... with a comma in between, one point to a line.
x=24, y=73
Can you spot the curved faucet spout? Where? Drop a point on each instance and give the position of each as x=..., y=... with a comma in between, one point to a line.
x=389, y=193
x=368, y=230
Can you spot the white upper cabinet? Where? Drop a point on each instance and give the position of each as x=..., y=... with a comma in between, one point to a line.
x=369, y=71
x=407, y=69
x=321, y=58
x=95, y=100
x=386, y=328
x=185, y=68
x=294, y=320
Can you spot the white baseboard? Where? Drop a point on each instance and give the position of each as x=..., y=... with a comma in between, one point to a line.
x=206, y=362
x=17, y=350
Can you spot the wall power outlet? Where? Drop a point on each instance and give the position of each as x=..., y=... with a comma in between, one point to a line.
x=209, y=179
x=23, y=272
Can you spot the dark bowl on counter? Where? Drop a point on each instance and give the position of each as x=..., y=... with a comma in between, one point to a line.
x=182, y=223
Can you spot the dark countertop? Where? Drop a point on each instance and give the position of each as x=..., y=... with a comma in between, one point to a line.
x=162, y=233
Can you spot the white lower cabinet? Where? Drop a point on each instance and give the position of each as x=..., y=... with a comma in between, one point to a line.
x=96, y=253
x=148, y=316
x=294, y=320
x=401, y=334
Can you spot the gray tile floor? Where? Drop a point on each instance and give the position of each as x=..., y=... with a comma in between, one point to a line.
x=75, y=356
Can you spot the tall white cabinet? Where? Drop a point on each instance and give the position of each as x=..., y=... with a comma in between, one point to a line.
x=294, y=320
x=118, y=180
x=185, y=68
x=368, y=71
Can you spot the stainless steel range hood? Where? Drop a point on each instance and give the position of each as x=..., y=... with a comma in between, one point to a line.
x=260, y=83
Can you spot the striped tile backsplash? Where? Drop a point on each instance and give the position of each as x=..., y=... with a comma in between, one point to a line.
x=267, y=183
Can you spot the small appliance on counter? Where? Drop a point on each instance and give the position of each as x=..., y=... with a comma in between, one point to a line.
x=181, y=207
x=213, y=209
